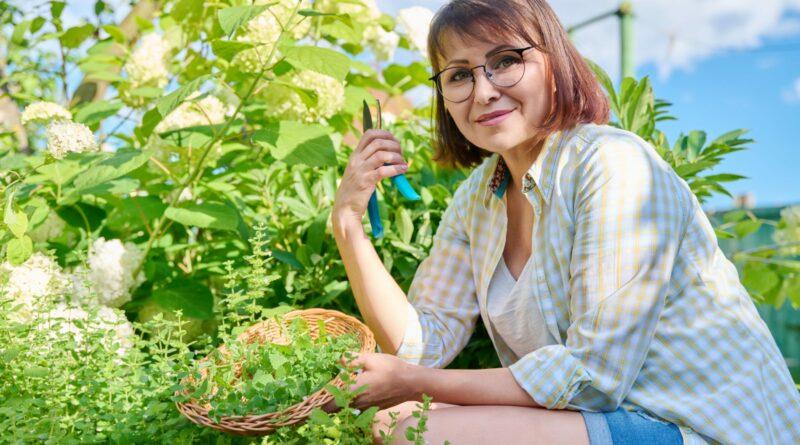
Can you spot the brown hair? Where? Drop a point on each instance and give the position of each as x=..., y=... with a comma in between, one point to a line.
x=578, y=97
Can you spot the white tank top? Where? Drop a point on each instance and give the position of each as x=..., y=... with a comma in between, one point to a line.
x=515, y=317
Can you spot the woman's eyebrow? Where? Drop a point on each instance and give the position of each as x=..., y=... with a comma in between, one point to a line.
x=493, y=50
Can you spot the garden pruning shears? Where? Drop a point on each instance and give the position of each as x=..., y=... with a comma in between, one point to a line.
x=400, y=181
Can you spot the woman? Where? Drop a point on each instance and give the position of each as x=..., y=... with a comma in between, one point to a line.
x=613, y=311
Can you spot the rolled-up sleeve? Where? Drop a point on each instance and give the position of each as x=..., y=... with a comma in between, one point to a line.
x=443, y=305
x=629, y=218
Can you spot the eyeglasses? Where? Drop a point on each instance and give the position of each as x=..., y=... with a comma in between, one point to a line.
x=504, y=69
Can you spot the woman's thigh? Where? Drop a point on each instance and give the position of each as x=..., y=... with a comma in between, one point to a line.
x=508, y=425
x=383, y=420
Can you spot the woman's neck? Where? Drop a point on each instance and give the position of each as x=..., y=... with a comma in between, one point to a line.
x=519, y=159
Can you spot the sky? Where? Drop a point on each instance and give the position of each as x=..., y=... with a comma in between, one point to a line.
x=723, y=64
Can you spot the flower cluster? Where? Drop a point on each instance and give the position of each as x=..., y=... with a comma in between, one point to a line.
x=382, y=43
x=788, y=231
x=206, y=111
x=416, y=21
x=76, y=322
x=110, y=278
x=362, y=10
x=65, y=136
x=147, y=64
x=264, y=30
x=31, y=284
x=289, y=104
x=44, y=112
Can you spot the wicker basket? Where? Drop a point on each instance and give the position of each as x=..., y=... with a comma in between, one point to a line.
x=336, y=323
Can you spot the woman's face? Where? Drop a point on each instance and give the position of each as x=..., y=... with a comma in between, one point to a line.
x=527, y=103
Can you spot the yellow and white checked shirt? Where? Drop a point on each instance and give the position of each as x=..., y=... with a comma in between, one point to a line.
x=648, y=313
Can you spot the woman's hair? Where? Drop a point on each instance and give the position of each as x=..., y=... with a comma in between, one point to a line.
x=578, y=97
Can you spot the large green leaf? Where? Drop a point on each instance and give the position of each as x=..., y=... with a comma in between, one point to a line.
x=119, y=164
x=73, y=37
x=175, y=98
x=230, y=19
x=298, y=143
x=94, y=112
x=227, y=49
x=191, y=297
x=206, y=215
x=15, y=220
x=18, y=250
x=321, y=60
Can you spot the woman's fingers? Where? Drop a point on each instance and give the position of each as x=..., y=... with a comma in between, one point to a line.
x=374, y=134
x=384, y=157
x=380, y=145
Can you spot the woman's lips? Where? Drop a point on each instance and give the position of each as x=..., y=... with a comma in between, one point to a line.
x=496, y=119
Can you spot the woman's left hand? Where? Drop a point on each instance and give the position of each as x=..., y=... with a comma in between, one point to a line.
x=389, y=381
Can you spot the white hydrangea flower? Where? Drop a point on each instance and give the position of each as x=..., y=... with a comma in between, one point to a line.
x=31, y=284
x=64, y=137
x=206, y=111
x=110, y=275
x=77, y=322
x=50, y=228
x=416, y=21
x=44, y=112
x=382, y=43
x=288, y=104
x=365, y=12
x=791, y=232
x=147, y=65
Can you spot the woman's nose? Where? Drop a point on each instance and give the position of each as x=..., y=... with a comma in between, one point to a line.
x=484, y=89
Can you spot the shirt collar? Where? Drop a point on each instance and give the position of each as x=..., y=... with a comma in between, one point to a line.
x=540, y=172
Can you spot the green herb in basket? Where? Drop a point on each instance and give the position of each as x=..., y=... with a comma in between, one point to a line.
x=257, y=378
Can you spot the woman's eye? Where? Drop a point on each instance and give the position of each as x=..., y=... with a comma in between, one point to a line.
x=459, y=76
x=506, y=62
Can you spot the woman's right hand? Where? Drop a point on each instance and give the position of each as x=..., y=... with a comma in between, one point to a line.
x=364, y=169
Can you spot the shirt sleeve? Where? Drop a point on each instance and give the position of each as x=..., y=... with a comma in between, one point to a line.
x=630, y=216
x=442, y=302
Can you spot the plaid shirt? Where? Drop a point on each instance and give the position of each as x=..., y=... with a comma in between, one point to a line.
x=648, y=312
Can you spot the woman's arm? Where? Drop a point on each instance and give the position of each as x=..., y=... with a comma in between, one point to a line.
x=381, y=301
x=469, y=386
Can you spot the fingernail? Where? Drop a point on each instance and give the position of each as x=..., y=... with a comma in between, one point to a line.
x=404, y=166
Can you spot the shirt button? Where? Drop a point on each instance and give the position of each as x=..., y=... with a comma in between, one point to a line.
x=540, y=276
x=527, y=183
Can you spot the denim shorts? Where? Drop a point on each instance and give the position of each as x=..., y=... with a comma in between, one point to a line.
x=623, y=427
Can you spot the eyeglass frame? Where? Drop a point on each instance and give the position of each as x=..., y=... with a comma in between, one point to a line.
x=436, y=80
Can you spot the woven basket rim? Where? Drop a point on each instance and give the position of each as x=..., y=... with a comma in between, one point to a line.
x=269, y=422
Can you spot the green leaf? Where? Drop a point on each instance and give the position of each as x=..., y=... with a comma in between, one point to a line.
x=18, y=250
x=175, y=98
x=115, y=32
x=744, y=228
x=18, y=35
x=759, y=277
x=60, y=172
x=321, y=60
x=227, y=50
x=73, y=37
x=15, y=220
x=94, y=112
x=230, y=19
x=298, y=143
x=405, y=227
x=206, y=215
x=119, y=164
x=190, y=296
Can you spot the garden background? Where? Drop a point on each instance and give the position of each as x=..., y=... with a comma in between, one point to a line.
x=167, y=172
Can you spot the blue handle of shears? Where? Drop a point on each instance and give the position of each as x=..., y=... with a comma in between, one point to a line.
x=401, y=182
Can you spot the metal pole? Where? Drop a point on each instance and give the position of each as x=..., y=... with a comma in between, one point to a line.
x=626, y=39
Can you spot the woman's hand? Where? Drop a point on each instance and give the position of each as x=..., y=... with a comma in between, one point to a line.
x=389, y=382
x=364, y=170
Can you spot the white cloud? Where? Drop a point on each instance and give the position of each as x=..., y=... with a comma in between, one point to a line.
x=672, y=34
x=792, y=93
